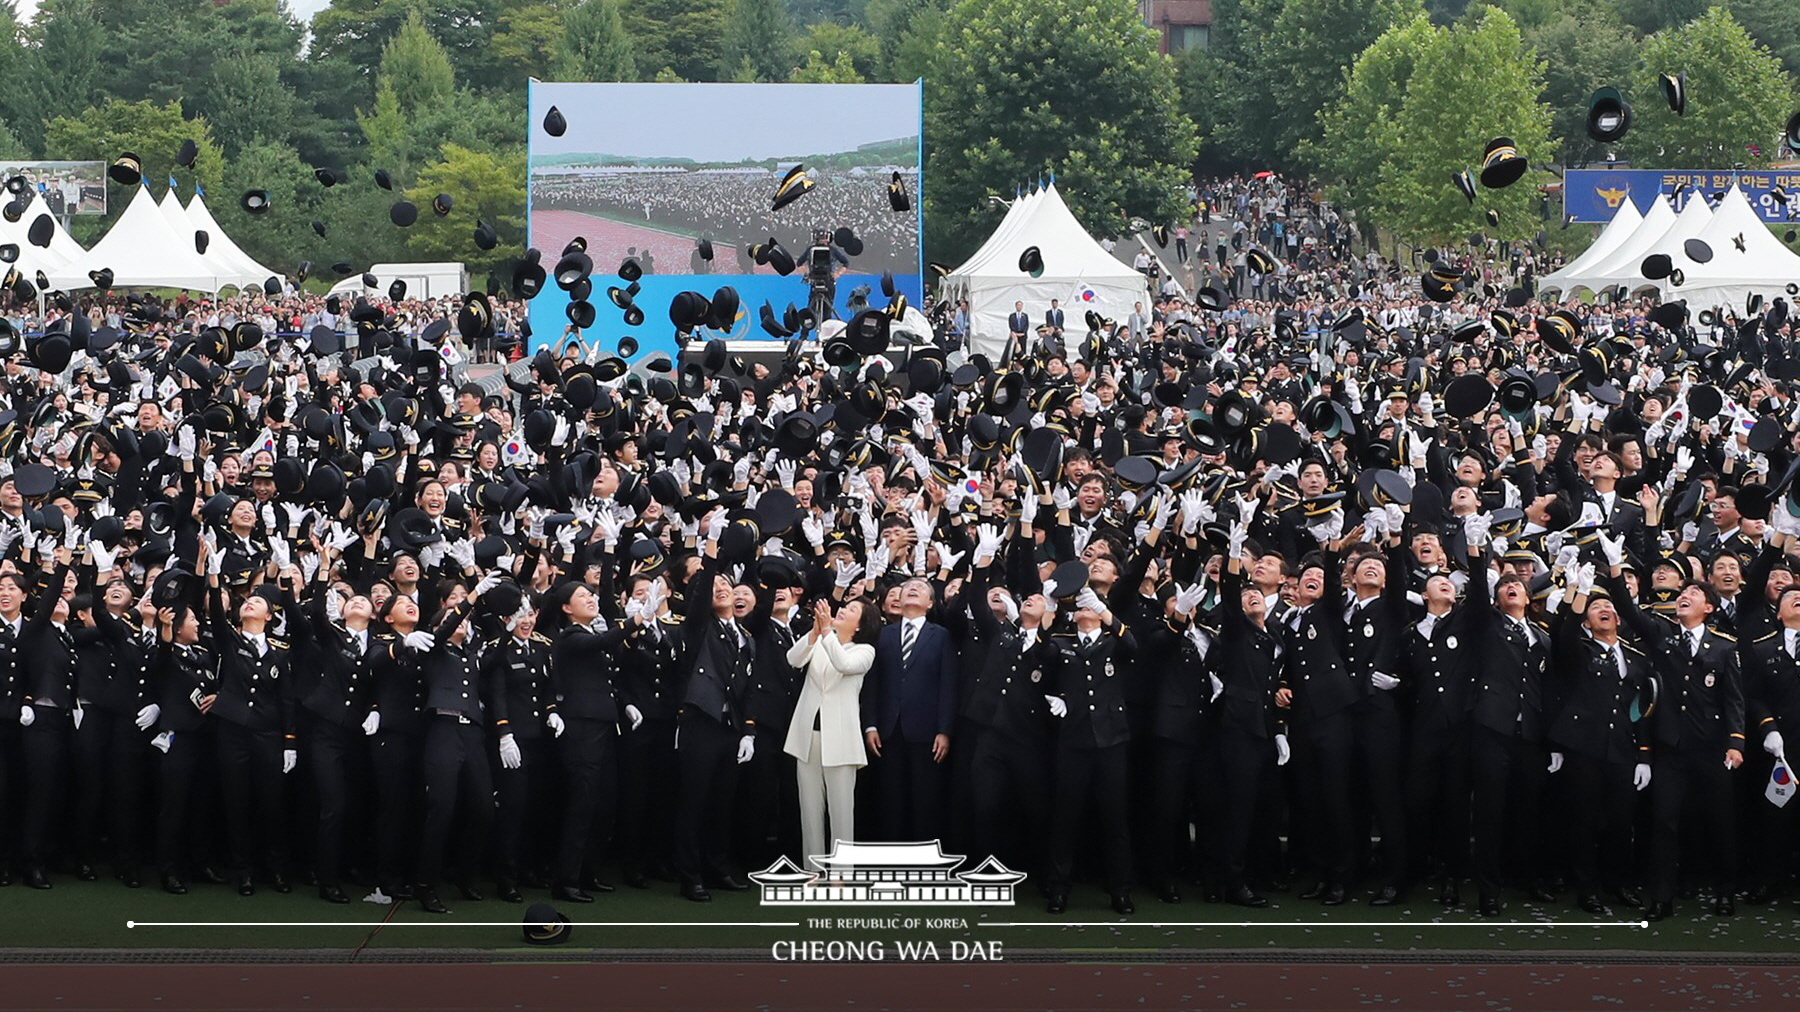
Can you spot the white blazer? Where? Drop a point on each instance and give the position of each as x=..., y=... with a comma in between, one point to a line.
x=834, y=675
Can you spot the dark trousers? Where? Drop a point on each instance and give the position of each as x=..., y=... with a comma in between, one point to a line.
x=1244, y=764
x=46, y=747
x=524, y=814
x=1507, y=774
x=1010, y=787
x=1600, y=815
x=768, y=802
x=1186, y=786
x=1323, y=749
x=647, y=787
x=184, y=808
x=457, y=782
x=1683, y=780
x=10, y=761
x=111, y=757
x=1437, y=799
x=1092, y=780
x=1380, y=745
x=1181, y=252
x=589, y=753
x=251, y=782
x=330, y=752
x=911, y=787
x=706, y=751
x=394, y=756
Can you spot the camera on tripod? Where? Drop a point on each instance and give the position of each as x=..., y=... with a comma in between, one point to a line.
x=821, y=278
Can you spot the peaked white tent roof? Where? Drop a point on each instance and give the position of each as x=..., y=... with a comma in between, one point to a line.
x=1764, y=265
x=62, y=249
x=1625, y=265
x=1624, y=222
x=1077, y=272
x=143, y=251
x=220, y=246
x=1657, y=220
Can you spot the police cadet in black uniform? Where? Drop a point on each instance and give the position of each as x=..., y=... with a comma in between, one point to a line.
x=185, y=676
x=1092, y=761
x=12, y=688
x=395, y=727
x=1698, y=729
x=111, y=753
x=256, y=730
x=714, y=733
x=1771, y=668
x=1184, y=724
x=46, y=713
x=650, y=686
x=515, y=690
x=333, y=714
x=585, y=714
x=1249, y=658
x=1375, y=622
x=768, y=789
x=455, y=767
x=1440, y=661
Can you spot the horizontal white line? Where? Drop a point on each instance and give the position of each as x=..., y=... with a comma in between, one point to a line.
x=456, y=924
x=1396, y=925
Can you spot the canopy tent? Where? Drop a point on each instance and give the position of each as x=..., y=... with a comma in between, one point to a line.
x=1077, y=271
x=1657, y=220
x=1746, y=260
x=1626, y=264
x=1624, y=222
x=143, y=251
x=221, y=246
x=62, y=249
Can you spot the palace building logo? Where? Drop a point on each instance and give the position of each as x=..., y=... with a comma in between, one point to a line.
x=887, y=874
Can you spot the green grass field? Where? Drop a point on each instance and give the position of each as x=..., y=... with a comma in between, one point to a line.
x=90, y=916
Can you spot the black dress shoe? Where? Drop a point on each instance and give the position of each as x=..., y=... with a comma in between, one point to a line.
x=1059, y=902
x=332, y=894
x=1660, y=910
x=396, y=892
x=428, y=900
x=1724, y=907
x=572, y=894
x=637, y=881
x=5, y=876
x=1121, y=905
x=598, y=885
x=280, y=884
x=1243, y=897
x=1313, y=892
x=1387, y=897
x=211, y=876
x=132, y=878
x=731, y=884
x=86, y=873
x=1210, y=894
x=697, y=894
x=1334, y=896
x=1448, y=896
x=1490, y=907
x=1169, y=894
x=174, y=886
x=36, y=879
x=1591, y=903
x=508, y=892
x=1759, y=896
x=1628, y=896
x=469, y=892
x=245, y=886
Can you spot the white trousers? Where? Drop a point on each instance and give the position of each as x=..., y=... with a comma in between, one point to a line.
x=821, y=786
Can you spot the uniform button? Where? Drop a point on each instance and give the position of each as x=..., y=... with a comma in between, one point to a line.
x=1090, y=706
x=465, y=695
x=252, y=703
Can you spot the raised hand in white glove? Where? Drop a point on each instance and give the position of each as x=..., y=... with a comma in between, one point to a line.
x=487, y=583
x=1061, y=498
x=1640, y=776
x=1613, y=549
x=1240, y=533
x=1282, y=752
x=1384, y=681
x=510, y=756
x=423, y=642
x=1090, y=600
x=635, y=715
x=1329, y=529
x=1585, y=574
x=847, y=574
x=1395, y=516
x=146, y=717
x=784, y=473
x=1058, y=708
x=746, y=748
x=1050, y=589
x=879, y=558
x=1556, y=761
x=372, y=723
x=555, y=723
x=947, y=558
x=1476, y=527
x=103, y=557
x=290, y=758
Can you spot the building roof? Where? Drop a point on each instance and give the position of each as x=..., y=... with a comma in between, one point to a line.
x=782, y=872
x=926, y=854
x=991, y=872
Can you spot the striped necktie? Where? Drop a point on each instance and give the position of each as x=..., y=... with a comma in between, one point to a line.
x=906, y=643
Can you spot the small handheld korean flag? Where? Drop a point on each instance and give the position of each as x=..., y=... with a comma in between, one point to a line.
x=1781, y=784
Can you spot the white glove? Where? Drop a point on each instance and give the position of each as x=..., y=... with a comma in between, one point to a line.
x=372, y=723
x=555, y=723
x=1050, y=590
x=1568, y=557
x=610, y=528
x=1089, y=600
x=1028, y=510
x=740, y=472
x=1189, y=516
x=162, y=741
x=635, y=715
x=289, y=759
x=1282, y=752
x=1417, y=451
x=715, y=527
x=1426, y=406
x=27, y=716
x=847, y=574
x=1396, y=518
x=341, y=538
x=1772, y=744
x=269, y=521
x=215, y=561
x=184, y=444
x=1684, y=459
x=1475, y=528
x=746, y=748
x=879, y=557
x=146, y=718
x=1384, y=681
x=948, y=558
x=463, y=552
x=1329, y=529
x=487, y=583
x=1556, y=761
x=814, y=531
x=280, y=554
x=1640, y=776
x=1240, y=532
x=1690, y=532
x=1540, y=446
x=987, y=544
x=77, y=714
x=1061, y=498
x=103, y=557
x=509, y=752
x=1500, y=545
x=423, y=642
x=1058, y=708
x=784, y=473
x=1165, y=509
x=1613, y=549
x=1218, y=687
x=1584, y=578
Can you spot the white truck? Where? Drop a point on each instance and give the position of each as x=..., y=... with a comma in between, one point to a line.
x=423, y=281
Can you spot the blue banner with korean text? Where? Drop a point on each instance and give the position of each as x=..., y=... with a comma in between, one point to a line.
x=1594, y=195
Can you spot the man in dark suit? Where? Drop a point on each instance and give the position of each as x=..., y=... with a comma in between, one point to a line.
x=1053, y=317
x=1772, y=690
x=908, y=706
x=1017, y=326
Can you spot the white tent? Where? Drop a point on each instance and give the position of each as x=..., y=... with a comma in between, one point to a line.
x=1746, y=259
x=1657, y=220
x=1624, y=222
x=221, y=246
x=1625, y=265
x=143, y=251
x=62, y=249
x=1077, y=272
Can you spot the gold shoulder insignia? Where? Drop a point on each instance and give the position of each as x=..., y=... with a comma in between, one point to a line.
x=1767, y=636
x=1724, y=636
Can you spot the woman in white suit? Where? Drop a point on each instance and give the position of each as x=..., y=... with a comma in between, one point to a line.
x=826, y=732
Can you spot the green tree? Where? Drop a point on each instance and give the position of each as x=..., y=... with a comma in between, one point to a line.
x=416, y=68
x=758, y=36
x=245, y=96
x=153, y=132
x=1737, y=96
x=816, y=70
x=1582, y=50
x=356, y=32
x=486, y=187
x=832, y=41
x=595, y=45
x=1071, y=87
x=908, y=33
x=69, y=43
x=1651, y=16
x=684, y=36
x=529, y=43
x=1774, y=23
x=1359, y=135
x=1304, y=57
